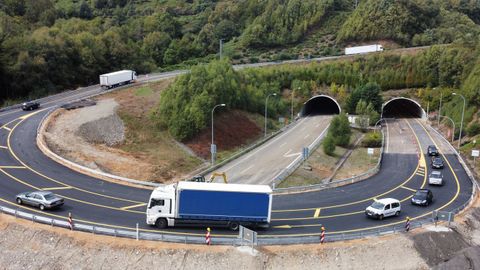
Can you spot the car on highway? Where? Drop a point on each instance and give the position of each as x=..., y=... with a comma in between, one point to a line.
x=383, y=208
x=41, y=199
x=422, y=197
x=432, y=150
x=30, y=105
x=435, y=178
x=436, y=163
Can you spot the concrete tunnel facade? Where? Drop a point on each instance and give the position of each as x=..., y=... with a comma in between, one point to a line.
x=402, y=107
x=321, y=105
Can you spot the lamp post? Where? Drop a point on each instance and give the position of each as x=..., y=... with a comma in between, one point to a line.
x=375, y=126
x=213, y=148
x=439, y=109
x=266, y=102
x=291, y=117
x=453, y=123
x=221, y=48
x=461, y=121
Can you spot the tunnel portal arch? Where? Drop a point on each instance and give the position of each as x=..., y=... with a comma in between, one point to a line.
x=321, y=105
x=402, y=107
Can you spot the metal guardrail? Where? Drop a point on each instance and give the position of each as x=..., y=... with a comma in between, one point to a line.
x=235, y=241
x=332, y=184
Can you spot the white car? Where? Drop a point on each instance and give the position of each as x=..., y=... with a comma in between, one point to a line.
x=435, y=178
x=383, y=208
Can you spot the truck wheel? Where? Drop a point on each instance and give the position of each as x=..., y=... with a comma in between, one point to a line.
x=233, y=226
x=161, y=223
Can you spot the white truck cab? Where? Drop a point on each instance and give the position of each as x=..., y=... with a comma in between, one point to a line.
x=383, y=208
x=161, y=206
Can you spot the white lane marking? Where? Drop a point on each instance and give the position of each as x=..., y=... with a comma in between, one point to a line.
x=308, y=135
x=319, y=137
x=248, y=168
x=247, y=157
x=287, y=155
x=283, y=144
x=3, y=147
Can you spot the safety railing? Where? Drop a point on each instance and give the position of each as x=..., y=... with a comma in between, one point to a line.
x=289, y=170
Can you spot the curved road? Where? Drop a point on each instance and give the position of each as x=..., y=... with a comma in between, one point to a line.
x=93, y=201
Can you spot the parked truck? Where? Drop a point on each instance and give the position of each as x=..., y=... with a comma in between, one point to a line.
x=114, y=79
x=210, y=204
x=364, y=49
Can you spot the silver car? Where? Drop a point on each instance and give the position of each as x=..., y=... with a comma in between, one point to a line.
x=41, y=199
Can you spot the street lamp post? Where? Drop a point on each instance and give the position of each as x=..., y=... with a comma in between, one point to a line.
x=439, y=109
x=291, y=117
x=221, y=48
x=266, y=103
x=453, y=124
x=213, y=149
x=461, y=121
x=375, y=126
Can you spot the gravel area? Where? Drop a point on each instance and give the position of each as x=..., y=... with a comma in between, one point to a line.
x=107, y=130
x=70, y=133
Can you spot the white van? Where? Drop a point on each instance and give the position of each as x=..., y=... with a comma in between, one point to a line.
x=383, y=208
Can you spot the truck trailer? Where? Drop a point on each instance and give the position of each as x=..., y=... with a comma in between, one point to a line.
x=210, y=204
x=364, y=49
x=114, y=79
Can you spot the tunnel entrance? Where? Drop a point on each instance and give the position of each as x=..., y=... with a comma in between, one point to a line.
x=321, y=105
x=402, y=108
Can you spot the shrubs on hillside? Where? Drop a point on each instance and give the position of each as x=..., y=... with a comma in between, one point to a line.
x=372, y=139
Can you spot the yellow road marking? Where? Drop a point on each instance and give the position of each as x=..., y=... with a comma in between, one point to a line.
x=12, y=167
x=317, y=213
x=411, y=189
x=57, y=188
x=70, y=198
x=282, y=227
x=51, y=179
x=109, y=225
x=394, y=223
x=356, y=202
x=133, y=206
x=3, y=147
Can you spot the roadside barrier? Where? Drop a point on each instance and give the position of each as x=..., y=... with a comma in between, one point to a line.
x=350, y=180
x=208, y=237
x=322, y=235
x=407, y=224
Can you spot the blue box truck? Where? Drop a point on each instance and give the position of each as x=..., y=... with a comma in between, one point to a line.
x=210, y=204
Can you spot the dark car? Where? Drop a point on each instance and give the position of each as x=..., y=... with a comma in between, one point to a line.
x=422, y=197
x=437, y=163
x=432, y=150
x=30, y=106
x=41, y=199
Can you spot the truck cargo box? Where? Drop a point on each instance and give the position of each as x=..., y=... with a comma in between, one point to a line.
x=117, y=78
x=214, y=201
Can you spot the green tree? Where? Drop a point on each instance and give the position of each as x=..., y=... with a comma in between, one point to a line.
x=328, y=145
x=370, y=92
x=340, y=130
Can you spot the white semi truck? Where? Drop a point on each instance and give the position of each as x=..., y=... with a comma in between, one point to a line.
x=364, y=49
x=210, y=204
x=114, y=79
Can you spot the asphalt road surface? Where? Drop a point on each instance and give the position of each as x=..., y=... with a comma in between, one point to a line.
x=263, y=164
x=93, y=201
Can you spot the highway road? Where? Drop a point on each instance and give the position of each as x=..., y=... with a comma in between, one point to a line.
x=341, y=210
x=93, y=201
x=263, y=164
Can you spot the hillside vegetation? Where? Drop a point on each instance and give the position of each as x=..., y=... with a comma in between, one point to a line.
x=51, y=45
